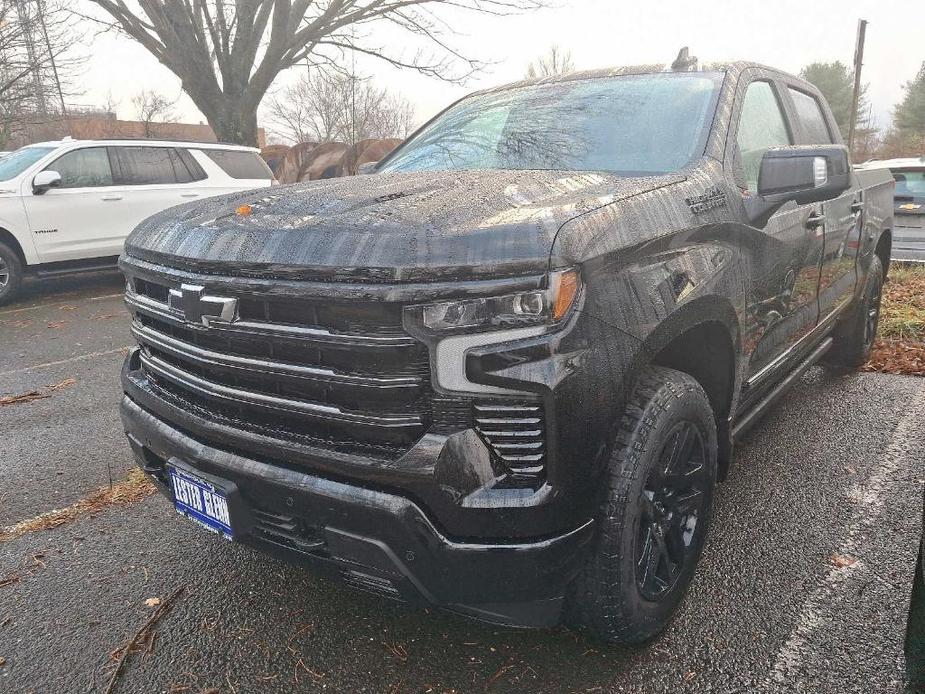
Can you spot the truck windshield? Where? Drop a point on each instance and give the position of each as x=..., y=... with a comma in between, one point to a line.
x=629, y=124
x=20, y=160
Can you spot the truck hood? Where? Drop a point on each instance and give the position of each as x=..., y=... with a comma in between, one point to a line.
x=423, y=226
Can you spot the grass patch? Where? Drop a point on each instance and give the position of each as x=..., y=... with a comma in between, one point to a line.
x=134, y=487
x=900, y=346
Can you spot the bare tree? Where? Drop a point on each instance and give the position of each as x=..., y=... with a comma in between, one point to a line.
x=555, y=62
x=395, y=117
x=35, y=35
x=227, y=54
x=309, y=110
x=328, y=105
x=153, y=107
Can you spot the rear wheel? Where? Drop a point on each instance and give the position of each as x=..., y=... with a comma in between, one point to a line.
x=855, y=338
x=653, y=523
x=10, y=274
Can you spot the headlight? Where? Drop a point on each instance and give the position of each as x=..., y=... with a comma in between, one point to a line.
x=537, y=307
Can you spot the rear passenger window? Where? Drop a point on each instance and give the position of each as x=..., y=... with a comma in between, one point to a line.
x=809, y=113
x=192, y=166
x=761, y=127
x=83, y=168
x=145, y=165
x=239, y=164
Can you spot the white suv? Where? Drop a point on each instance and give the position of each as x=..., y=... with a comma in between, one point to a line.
x=67, y=206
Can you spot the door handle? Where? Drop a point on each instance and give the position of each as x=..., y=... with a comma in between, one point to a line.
x=815, y=219
x=189, y=195
x=857, y=206
x=112, y=197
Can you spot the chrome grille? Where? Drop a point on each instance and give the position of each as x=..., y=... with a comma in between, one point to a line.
x=516, y=435
x=340, y=374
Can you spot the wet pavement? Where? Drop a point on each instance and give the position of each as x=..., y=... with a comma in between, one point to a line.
x=804, y=585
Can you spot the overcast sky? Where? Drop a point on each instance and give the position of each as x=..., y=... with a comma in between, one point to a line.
x=782, y=33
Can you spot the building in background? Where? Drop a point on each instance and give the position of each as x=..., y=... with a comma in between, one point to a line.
x=96, y=124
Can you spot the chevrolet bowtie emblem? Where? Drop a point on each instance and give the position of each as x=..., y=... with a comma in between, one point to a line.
x=199, y=307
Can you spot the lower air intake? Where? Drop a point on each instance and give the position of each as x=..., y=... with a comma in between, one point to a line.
x=516, y=435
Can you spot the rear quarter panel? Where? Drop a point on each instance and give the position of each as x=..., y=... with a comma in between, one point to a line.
x=877, y=186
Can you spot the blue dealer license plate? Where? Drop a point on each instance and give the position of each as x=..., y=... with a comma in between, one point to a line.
x=202, y=502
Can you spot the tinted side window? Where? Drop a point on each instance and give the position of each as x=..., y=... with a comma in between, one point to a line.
x=180, y=171
x=144, y=165
x=83, y=168
x=761, y=126
x=239, y=164
x=195, y=170
x=810, y=116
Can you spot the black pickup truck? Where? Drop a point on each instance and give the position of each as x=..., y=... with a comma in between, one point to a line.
x=503, y=374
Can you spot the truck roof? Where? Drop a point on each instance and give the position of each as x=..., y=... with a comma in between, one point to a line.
x=145, y=141
x=644, y=69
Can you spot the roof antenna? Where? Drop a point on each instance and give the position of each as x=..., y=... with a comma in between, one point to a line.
x=685, y=62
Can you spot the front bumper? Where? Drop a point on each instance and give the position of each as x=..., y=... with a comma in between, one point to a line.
x=373, y=540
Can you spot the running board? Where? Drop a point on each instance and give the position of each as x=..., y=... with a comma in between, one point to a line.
x=68, y=267
x=763, y=405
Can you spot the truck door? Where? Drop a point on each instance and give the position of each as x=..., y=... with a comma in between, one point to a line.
x=782, y=304
x=841, y=218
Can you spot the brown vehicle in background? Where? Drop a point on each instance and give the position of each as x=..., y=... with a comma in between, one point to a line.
x=310, y=161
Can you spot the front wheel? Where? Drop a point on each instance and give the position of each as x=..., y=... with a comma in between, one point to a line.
x=653, y=522
x=10, y=274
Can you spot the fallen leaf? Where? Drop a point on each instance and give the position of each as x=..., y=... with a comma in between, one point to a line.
x=37, y=394
x=152, y=602
x=688, y=676
x=66, y=383
x=56, y=324
x=843, y=561
x=22, y=397
x=67, y=307
x=9, y=580
x=134, y=487
x=2, y=662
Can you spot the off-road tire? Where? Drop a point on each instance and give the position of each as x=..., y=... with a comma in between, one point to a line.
x=854, y=339
x=11, y=273
x=606, y=598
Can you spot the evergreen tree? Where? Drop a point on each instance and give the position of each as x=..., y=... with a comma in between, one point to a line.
x=909, y=114
x=836, y=82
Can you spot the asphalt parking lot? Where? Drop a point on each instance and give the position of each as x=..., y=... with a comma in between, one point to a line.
x=804, y=585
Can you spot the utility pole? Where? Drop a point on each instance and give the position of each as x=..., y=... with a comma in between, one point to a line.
x=855, y=97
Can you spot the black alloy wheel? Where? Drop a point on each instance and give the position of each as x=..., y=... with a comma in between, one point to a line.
x=673, y=504
x=873, y=313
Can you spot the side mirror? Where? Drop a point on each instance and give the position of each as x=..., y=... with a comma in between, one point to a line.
x=44, y=180
x=804, y=174
x=367, y=167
